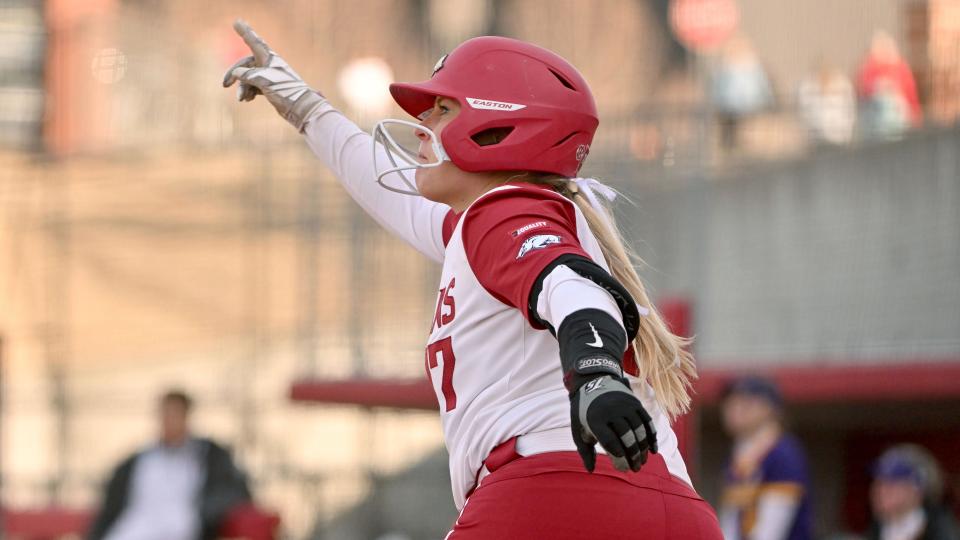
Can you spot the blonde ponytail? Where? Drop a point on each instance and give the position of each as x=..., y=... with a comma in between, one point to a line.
x=662, y=356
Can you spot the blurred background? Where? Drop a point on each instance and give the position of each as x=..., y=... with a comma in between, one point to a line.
x=794, y=176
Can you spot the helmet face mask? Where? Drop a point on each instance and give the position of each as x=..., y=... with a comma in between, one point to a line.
x=402, y=158
x=538, y=104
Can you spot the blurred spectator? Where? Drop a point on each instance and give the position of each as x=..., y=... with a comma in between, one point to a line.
x=766, y=493
x=943, y=57
x=178, y=489
x=888, y=90
x=828, y=105
x=739, y=88
x=906, y=497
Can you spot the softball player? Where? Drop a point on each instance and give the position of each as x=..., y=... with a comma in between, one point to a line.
x=540, y=316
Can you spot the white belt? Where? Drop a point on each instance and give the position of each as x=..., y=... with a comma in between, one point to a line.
x=549, y=440
x=539, y=442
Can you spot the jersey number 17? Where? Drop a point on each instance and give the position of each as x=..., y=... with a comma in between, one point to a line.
x=441, y=352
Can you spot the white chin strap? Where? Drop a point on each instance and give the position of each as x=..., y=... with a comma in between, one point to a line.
x=402, y=158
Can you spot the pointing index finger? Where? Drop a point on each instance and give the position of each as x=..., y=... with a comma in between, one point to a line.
x=261, y=51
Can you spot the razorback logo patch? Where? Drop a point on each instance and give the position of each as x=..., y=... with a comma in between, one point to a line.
x=539, y=241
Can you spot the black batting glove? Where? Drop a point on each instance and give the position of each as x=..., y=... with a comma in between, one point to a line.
x=603, y=409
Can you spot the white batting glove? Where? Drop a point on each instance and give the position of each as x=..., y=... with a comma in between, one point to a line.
x=266, y=73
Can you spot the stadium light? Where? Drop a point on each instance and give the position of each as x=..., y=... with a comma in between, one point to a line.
x=363, y=83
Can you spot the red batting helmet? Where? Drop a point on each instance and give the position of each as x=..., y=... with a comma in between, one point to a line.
x=508, y=85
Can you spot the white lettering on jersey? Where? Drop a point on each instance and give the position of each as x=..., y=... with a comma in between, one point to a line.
x=539, y=241
x=490, y=105
x=526, y=228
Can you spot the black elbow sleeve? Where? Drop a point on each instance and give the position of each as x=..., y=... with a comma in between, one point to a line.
x=592, y=271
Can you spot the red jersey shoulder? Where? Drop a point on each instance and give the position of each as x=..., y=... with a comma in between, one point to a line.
x=510, y=235
x=525, y=207
x=517, y=200
x=521, y=195
x=449, y=225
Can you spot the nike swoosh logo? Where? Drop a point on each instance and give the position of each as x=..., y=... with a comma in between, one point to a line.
x=596, y=337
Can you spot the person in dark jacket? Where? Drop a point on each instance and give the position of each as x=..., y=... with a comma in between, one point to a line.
x=906, y=497
x=178, y=489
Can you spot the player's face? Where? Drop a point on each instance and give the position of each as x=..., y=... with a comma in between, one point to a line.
x=744, y=414
x=438, y=183
x=891, y=499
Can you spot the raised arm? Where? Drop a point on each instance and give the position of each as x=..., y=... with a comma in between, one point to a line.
x=343, y=147
x=347, y=151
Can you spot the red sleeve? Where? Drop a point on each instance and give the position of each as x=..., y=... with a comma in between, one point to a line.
x=449, y=224
x=511, y=235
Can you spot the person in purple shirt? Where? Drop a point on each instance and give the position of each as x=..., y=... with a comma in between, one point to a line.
x=766, y=493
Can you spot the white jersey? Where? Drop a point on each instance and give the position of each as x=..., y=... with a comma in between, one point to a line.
x=496, y=374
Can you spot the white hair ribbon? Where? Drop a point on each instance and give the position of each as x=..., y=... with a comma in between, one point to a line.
x=590, y=187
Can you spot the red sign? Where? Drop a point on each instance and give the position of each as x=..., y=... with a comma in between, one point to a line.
x=703, y=25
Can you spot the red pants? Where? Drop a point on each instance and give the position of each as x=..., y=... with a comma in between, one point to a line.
x=551, y=496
